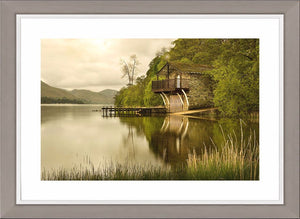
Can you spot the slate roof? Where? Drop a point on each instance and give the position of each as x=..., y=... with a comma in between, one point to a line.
x=183, y=68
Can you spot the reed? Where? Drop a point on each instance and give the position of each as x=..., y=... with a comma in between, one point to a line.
x=110, y=172
x=235, y=159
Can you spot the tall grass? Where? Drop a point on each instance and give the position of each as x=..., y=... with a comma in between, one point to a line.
x=235, y=159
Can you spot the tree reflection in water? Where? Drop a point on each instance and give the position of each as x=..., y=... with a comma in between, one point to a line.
x=128, y=141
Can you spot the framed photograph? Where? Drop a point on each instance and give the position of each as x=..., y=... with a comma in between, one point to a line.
x=137, y=109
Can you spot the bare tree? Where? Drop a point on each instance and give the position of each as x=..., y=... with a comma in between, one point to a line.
x=129, y=68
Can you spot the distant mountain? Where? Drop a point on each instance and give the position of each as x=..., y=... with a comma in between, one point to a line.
x=105, y=96
x=53, y=94
x=108, y=93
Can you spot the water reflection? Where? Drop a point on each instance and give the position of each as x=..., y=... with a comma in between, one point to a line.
x=172, y=138
x=170, y=143
x=72, y=132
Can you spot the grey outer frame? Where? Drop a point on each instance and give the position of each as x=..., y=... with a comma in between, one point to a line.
x=9, y=9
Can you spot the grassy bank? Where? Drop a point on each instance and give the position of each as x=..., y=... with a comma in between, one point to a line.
x=235, y=159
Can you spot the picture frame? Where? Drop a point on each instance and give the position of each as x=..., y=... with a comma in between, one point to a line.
x=9, y=9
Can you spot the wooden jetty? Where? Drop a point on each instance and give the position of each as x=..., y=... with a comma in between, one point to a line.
x=197, y=111
x=109, y=111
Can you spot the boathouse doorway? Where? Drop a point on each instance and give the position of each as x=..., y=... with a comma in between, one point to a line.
x=176, y=104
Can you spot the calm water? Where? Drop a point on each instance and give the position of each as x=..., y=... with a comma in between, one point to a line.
x=74, y=134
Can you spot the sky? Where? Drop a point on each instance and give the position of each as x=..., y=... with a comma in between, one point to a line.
x=94, y=64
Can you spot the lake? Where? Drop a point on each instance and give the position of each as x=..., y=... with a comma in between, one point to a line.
x=73, y=135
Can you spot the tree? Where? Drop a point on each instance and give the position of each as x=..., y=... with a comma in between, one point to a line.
x=129, y=68
x=236, y=71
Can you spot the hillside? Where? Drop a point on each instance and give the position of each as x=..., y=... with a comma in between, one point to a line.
x=108, y=93
x=51, y=94
x=105, y=96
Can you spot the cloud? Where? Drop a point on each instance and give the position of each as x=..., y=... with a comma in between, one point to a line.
x=94, y=63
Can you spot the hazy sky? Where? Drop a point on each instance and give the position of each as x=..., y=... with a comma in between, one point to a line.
x=94, y=64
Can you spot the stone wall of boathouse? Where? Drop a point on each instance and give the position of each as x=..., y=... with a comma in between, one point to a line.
x=200, y=94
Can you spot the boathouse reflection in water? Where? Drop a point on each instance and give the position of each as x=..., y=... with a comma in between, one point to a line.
x=171, y=138
x=170, y=142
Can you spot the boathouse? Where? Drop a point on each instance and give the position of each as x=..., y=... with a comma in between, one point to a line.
x=184, y=86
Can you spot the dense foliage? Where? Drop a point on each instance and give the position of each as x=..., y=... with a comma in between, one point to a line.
x=235, y=70
x=60, y=100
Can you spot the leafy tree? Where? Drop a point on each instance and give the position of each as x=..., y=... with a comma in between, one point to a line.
x=236, y=71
